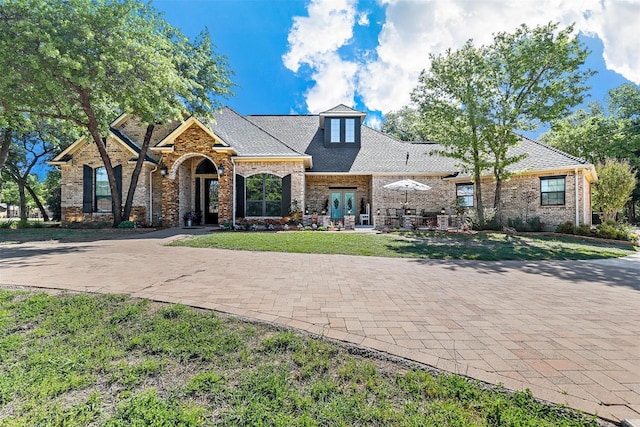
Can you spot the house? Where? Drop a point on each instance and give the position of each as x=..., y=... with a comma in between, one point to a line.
x=255, y=167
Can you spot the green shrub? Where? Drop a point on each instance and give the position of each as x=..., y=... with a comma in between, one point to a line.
x=127, y=224
x=532, y=224
x=535, y=224
x=23, y=223
x=7, y=224
x=518, y=224
x=583, y=230
x=613, y=230
x=566, y=228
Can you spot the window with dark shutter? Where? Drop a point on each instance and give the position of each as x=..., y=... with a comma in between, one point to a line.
x=286, y=195
x=240, y=196
x=87, y=189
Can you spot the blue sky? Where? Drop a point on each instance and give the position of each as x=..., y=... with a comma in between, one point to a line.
x=298, y=57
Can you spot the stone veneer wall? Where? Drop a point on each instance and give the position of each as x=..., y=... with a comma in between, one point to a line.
x=191, y=146
x=280, y=168
x=319, y=190
x=72, y=182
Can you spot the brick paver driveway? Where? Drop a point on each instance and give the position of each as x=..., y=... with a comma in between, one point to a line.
x=569, y=331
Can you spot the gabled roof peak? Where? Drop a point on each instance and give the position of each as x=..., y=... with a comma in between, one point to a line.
x=341, y=110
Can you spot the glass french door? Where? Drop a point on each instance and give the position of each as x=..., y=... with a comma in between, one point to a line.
x=342, y=203
x=206, y=199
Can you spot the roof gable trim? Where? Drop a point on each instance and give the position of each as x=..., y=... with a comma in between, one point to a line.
x=170, y=139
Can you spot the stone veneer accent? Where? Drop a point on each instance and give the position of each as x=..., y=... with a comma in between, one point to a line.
x=193, y=145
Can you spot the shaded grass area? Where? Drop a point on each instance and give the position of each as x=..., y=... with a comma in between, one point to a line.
x=64, y=235
x=107, y=360
x=480, y=246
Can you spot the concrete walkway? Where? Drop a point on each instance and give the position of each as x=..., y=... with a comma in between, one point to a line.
x=569, y=331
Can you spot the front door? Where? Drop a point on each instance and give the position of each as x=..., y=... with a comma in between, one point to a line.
x=210, y=201
x=342, y=203
x=207, y=199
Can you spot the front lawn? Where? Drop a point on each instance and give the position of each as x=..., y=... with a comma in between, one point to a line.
x=79, y=360
x=480, y=246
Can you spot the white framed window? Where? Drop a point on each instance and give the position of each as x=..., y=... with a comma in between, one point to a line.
x=464, y=195
x=349, y=130
x=335, y=130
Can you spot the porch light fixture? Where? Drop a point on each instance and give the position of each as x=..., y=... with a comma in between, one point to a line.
x=221, y=170
x=163, y=170
x=378, y=211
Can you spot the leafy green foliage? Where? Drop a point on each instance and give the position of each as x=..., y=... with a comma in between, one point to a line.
x=611, y=229
x=473, y=100
x=532, y=224
x=88, y=61
x=599, y=133
x=68, y=360
x=614, y=188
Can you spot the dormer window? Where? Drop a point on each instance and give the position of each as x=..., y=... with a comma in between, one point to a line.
x=335, y=130
x=342, y=126
x=337, y=134
x=349, y=130
x=342, y=130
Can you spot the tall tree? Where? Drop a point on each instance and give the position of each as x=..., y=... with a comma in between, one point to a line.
x=451, y=98
x=86, y=61
x=404, y=124
x=53, y=193
x=475, y=99
x=537, y=77
x=27, y=151
x=598, y=132
x=613, y=189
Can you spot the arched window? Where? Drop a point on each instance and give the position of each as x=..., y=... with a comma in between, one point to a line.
x=264, y=195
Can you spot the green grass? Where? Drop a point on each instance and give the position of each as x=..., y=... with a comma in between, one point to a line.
x=107, y=360
x=480, y=246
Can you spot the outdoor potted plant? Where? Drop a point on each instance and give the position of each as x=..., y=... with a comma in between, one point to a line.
x=188, y=218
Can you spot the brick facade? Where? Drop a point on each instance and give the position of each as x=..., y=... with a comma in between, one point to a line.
x=72, y=184
x=190, y=148
x=170, y=197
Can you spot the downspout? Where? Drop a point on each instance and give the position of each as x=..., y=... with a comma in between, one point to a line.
x=233, y=195
x=151, y=194
x=577, y=205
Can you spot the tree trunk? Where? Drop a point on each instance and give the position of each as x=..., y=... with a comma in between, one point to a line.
x=23, y=199
x=498, y=197
x=116, y=200
x=4, y=151
x=35, y=198
x=136, y=172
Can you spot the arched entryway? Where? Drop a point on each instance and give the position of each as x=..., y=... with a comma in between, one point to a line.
x=205, y=191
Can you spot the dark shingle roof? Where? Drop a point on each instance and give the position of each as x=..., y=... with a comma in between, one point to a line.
x=132, y=144
x=380, y=153
x=246, y=138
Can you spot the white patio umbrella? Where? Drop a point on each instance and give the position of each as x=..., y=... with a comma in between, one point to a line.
x=407, y=185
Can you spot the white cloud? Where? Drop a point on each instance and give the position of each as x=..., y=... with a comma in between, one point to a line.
x=363, y=19
x=616, y=24
x=414, y=29
x=314, y=41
